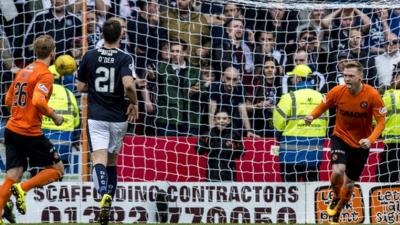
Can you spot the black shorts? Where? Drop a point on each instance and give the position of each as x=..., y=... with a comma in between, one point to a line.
x=353, y=158
x=38, y=149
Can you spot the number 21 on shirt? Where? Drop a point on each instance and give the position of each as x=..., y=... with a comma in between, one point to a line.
x=105, y=80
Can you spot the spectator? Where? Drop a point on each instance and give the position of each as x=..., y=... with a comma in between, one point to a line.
x=301, y=58
x=65, y=137
x=394, y=21
x=228, y=95
x=266, y=95
x=234, y=51
x=6, y=80
x=222, y=145
x=93, y=30
x=300, y=153
x=145, y=36
x=378, y=32
x=339, y=33
x=127, y=9
x=175, y=80
x=389, y=167
x=164, y=52
x=149, y=92
x=313, y=22
x=6, y=67
x=317, y=57
x=7, y=60
x=57, y=22
x=283, y=23
x=101, y=7
x=199, y=96
x=384, y=63
x=230, y=11
x=191, y=27
x=361, y=55
x=15, y=26
x=266, y=48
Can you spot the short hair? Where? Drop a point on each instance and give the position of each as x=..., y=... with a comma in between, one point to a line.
x=182, y=43
x=307, y=30
x=43, y=46
x=347, y=13
x=111, y=30
x=272, y=59
x=223, y=110
x=259, y=33
x=355, y=29
x=354, y=64
x=229, y=21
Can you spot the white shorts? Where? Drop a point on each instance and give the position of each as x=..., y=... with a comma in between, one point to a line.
x=106, y=135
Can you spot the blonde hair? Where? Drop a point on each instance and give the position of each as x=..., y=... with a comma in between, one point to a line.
x=43, y=46
x=354, y=64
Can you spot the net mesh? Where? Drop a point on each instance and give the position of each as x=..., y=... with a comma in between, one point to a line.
x=217, y=64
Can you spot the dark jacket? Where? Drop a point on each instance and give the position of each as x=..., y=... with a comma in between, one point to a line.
x=222, y=149
x=261, y=118
x=146, y=38
x=63, y=31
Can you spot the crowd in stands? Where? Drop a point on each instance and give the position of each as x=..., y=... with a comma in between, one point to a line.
x=195, y=58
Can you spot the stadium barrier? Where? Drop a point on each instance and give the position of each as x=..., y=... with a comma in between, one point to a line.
x=195, y=202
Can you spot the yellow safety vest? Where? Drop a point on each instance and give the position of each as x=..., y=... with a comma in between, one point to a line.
x=64, y=103
x=288, y=116
x=391, y=133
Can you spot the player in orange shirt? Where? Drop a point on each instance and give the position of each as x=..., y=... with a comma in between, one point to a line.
x=356, y=103
x=27, y=98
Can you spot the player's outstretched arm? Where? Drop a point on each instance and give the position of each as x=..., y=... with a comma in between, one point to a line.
x=327, y=102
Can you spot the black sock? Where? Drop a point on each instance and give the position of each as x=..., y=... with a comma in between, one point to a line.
x=100, y=178
x=112, y=179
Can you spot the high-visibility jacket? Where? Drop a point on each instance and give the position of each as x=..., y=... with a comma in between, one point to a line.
x=391, y=134
x=64, y=103
x=300, y=143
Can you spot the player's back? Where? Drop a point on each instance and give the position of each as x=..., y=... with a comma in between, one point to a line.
x=102, y=69
x=25, y=118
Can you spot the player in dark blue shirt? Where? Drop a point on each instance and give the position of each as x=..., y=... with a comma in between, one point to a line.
x=107, y=74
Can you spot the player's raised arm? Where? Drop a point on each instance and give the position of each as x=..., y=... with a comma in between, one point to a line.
x=327, y=102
